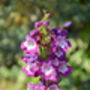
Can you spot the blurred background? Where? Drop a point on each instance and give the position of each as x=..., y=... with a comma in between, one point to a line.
x=16, y=20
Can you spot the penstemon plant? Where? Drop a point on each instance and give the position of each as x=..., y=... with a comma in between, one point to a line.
x=45, y=55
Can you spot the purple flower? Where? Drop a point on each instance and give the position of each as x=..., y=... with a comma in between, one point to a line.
x=64, y=70
x=63, y=33
x=48, y=72
x=27, y=71
x=35, y=87
x=37, y=24
x=29, y=45
x=54, y=31
x=31, y=69
x=66, y=25
x=60, y=53
x=30, y=58
x=55, y=62
x=57, y=52
x=46, y=23
x=35, y=33
x=63, y=43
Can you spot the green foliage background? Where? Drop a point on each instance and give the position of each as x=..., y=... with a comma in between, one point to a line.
x=16, y=20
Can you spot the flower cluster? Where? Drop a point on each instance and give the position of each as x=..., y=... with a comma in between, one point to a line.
x=45, y=54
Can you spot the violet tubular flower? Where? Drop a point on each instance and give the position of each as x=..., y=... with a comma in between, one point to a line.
x=29, y=45
x=46, y=23
x=37, y=24
x=45, y=55
x=67, y=24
